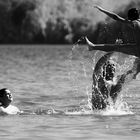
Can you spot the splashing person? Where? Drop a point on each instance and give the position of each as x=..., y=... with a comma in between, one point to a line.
x=105, y=70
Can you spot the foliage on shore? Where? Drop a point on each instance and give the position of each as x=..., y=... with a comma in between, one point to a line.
x=57, y=22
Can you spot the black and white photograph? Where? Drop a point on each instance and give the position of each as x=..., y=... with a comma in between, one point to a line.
x=69, y=69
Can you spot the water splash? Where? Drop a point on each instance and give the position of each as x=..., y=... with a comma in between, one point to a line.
x=126, y=69
x=85, y=61
x=79, y=68
x=120, y=108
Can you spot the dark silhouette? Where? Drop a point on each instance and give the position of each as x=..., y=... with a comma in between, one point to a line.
x=20, y=11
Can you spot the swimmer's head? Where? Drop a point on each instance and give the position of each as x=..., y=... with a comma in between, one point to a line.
x=5, y=97
x=133, y=14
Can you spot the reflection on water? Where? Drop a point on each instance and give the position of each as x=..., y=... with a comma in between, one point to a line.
x=52, y=85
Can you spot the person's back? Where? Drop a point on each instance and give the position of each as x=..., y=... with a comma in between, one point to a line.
x=136, y=33
x=135, y=26
x=134, y=21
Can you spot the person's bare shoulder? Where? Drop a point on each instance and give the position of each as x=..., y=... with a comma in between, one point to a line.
x=132, y=24
x=11, y=110
x=136, y=24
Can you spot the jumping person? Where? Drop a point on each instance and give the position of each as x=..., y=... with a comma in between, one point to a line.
x=100, y=93
x=133, y=22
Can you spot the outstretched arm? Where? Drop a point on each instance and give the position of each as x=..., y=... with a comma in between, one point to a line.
x=111, y=14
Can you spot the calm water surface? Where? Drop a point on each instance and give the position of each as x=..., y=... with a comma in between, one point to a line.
x=47, y=82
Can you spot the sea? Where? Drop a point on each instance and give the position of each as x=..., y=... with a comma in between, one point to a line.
x=51, y=85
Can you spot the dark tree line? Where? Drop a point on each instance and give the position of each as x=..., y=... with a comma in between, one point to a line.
x=20, y=23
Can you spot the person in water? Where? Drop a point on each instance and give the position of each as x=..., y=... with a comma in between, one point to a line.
x=99, y=101
x=5, y=102
x=133, y=22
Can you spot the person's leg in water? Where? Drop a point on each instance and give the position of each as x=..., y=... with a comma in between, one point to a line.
x=100, y=99
x=104, y=88
x=101, y=86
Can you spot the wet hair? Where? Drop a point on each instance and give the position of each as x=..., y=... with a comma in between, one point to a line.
x=133, y=14
x=5, y=97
